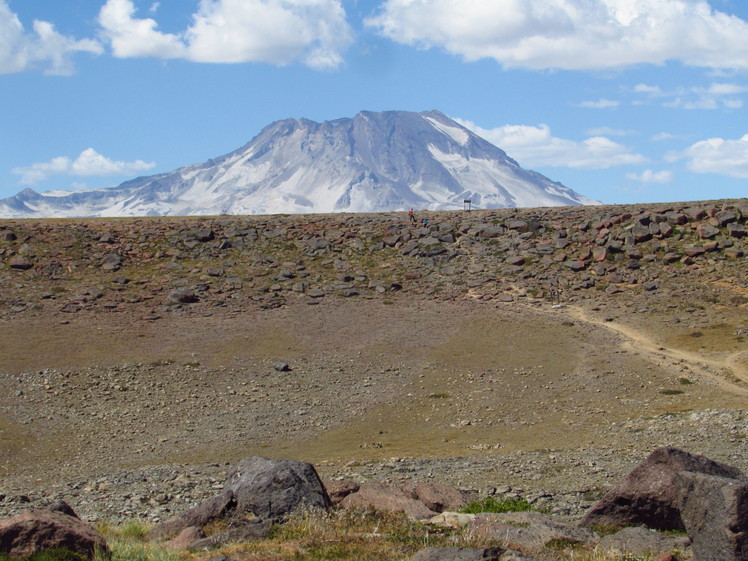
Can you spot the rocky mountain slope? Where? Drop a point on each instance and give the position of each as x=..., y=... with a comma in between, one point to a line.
x=373, y=162
x=544, y=350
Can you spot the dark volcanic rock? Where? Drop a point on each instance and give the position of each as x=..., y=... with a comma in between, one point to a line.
x=273, y=489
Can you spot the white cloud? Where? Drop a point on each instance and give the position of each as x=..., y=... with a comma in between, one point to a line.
x=663, y=136
x=607, y=131
x=535, y=146
x=20, y=51
x=715, y=96
x=570, y=34
x=716, y=155
x=649, y=176
x=654, y=91
x=88, y=163
x=600, y=104
x=235, y=31
x=131, y=37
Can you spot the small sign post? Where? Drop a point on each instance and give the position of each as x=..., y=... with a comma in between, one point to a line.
x=467, y=203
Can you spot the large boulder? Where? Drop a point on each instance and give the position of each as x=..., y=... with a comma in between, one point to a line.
x=714, y=511
x=39, y=530
x=258, y=492
x=648, y=496
x=273, y=489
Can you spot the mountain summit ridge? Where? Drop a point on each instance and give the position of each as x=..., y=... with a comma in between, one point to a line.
x=373, y=162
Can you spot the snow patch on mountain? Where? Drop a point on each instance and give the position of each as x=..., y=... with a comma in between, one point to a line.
x=373, y=162
x=458, y=134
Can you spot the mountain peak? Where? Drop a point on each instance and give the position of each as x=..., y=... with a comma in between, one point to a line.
x=373, y=162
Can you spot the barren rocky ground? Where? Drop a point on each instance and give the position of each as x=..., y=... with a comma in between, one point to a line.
x=542, y=352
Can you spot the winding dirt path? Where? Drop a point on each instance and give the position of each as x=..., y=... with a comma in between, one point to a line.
x=718, y=370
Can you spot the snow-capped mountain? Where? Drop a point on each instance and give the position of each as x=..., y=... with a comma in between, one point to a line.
x=371, y=163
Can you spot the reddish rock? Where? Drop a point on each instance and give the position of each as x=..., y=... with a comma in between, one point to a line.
x=438, y=497
x=600, y=253
x=648, y=495
x=382, y=497
x=694, y=251
x=39, y=530
x=339, y=490
x=185, y=538
x=212, y=509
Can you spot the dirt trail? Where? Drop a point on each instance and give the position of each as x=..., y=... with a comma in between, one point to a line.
x=718, y=370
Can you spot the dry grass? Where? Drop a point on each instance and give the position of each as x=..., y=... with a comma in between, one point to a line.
x=360, y=535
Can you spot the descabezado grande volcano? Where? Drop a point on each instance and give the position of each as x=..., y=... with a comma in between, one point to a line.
x=374, y=162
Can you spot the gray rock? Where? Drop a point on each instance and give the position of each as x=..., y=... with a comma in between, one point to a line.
x=641, y=541
x=715, y=513
x=19, y=263
x=458, y=554
x=182, y=296
x=529, y=530
x=273, y=489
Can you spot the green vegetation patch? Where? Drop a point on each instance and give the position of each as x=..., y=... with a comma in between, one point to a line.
x=497, y=505
x=54, y=554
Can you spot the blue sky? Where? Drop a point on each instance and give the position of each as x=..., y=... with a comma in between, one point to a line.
x=624, y=101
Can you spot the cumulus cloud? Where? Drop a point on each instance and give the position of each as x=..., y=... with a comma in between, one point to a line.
x=716, y=155
x=649, y=176
x=570, y=34
x=88, y=163
x=535, y=146
x=233, y=31
x=45, y=47
x=133, y=37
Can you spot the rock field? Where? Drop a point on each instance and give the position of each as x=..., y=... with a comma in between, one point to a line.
x=537, y=352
